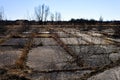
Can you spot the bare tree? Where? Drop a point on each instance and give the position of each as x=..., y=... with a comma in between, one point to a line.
x=41, y=12
x=117, y=31
x=43, y=8
x=57, y=16
x=100, y=23
x=46, y=12
x=3, y=29
x=38, y=13
x=52, y=17
x=101, y=19
x=1, y=13
x=28, y=16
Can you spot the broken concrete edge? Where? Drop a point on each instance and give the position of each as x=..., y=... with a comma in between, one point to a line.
x=101, y=69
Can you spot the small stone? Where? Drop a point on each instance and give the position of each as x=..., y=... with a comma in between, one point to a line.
x=114, y=57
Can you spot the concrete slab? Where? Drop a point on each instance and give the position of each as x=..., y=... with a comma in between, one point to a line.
x=15, y=41
x=73, y=41
x=63, y=35
x=112, y=74
x=47, y=58
x=97, y=60
x=94, y=49
x=8, y=58
x=45, y=41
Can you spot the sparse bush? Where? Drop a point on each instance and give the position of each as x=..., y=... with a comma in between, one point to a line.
x=117, y=32
x=23, y=27
x=26, y=28
x=3, y=29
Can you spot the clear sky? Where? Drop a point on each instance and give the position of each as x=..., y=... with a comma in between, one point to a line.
x=88, y=9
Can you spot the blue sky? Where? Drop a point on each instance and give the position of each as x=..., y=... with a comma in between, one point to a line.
x=88, y=9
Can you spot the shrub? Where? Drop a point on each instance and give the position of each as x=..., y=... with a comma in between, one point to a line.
x=117, y=32
x=2, y=29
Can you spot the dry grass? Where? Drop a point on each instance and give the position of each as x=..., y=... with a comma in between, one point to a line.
x=21, y=62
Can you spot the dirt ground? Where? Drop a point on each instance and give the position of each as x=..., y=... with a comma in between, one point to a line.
x=59, y=54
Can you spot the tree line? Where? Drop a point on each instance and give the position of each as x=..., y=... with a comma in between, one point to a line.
x=44, y=15
x=41, y=13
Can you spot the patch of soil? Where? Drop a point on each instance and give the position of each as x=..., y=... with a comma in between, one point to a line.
x=12, y=77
